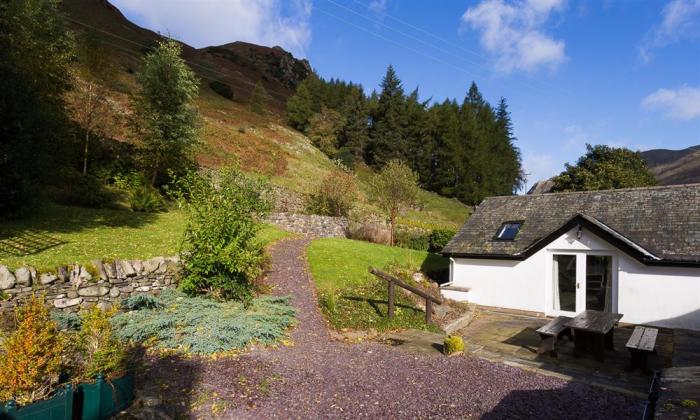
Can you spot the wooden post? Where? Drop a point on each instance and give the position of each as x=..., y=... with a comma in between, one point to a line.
x=391, y=299
x=428, y=310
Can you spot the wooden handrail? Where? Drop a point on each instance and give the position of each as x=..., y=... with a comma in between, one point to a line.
x=391, y=280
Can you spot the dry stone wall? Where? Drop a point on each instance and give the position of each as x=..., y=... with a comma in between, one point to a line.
x=101, y=283
x=311, y=224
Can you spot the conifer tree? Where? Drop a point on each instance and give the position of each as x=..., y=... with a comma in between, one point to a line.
x=353, y=136
x=388, y=122
x=300, y=108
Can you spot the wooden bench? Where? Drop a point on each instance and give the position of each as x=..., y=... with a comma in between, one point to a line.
x=640, y=345
x=551, y=333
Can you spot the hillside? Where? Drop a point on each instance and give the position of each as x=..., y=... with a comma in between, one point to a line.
x=239, y=65
x=674, y=166
x=262, y=145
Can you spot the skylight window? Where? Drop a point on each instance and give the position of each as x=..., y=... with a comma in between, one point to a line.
x=508, y=231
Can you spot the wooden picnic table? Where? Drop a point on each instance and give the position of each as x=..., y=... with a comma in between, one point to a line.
x=593, y=332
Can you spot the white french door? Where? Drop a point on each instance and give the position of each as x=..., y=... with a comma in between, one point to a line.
x=583, y=280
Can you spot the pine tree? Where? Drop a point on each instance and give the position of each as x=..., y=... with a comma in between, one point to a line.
x=353, y=136
x=300, y=108
x=388, y=122
x=511, y=177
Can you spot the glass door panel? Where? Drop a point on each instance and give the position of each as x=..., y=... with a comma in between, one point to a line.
x=599, y=282
x=564, y=286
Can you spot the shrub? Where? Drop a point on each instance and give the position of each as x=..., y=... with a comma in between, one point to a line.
x=453, y=344
x=370, y=232
x=222, y=253
x=30, y=358
x=67, y=321
x=97, y=348
x=203, y=326
x=138, y=302
x=146, y=199
x=412, y=240
x=222, y=89
x=335, y=196
x=439, y=238
x=86, y=191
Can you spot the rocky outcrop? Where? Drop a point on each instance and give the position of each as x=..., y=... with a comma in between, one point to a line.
x=78, y=286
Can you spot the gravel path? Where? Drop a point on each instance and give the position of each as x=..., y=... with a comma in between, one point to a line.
x=316, y=377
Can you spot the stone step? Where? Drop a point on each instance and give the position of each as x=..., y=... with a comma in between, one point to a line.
x=451, y=287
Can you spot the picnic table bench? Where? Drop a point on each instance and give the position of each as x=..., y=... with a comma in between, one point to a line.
x=551, y=333
x=593, y=332
x=640, y=345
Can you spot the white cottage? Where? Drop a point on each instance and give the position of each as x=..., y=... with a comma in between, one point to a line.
x=631, y=251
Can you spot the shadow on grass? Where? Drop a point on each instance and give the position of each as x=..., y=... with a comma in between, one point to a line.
x=375, y=304
x=36, y=232
x=27, y=242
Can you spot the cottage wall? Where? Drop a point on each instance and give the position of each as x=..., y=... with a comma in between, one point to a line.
x=661, y=296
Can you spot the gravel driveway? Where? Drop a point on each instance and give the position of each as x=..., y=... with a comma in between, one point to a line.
x=315, y=377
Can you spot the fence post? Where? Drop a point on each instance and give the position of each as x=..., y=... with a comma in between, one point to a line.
x=390, y=312
x=428, y=310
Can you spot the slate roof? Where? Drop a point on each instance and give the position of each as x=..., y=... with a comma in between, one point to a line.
x=657, y=225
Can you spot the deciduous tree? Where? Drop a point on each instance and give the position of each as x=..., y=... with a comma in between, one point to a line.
x=395, y=189
x=603, y=168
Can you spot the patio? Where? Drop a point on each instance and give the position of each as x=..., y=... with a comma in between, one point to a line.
x=511, y=338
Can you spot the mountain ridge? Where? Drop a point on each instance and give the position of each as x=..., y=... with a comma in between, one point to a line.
x=672, y=167
x=238, y=64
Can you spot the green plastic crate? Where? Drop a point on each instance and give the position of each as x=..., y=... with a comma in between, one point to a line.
x=104, y=399
x=58, y=407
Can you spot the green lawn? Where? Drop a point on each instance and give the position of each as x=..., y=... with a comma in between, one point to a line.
x=350, y=297
x=58, y=235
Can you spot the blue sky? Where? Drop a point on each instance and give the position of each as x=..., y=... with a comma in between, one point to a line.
x=623, y=73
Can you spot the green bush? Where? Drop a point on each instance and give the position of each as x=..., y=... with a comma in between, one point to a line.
x=222, y=89
x=86, y=191
x=146, y=199
x=453, y=344
x=201, y=325
x=138, y=302
x=222, y=254
x=412, y=240
x=439, y=238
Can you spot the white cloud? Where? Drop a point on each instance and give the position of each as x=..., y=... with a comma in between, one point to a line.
x=679, y=104
x=679, y=20
x=513, y=32
x=215, y=22
x=377, y=7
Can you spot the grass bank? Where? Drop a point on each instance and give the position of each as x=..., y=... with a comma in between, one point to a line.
x=350, y=297
x=57, y=235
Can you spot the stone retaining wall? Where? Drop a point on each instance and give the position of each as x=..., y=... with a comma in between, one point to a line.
x=311, y=225
x=100, y=283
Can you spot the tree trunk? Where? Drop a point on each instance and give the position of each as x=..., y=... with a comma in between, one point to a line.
x=392, y=221
x=155, y=171
x=85, y=153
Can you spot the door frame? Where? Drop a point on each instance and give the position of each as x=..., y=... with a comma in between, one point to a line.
x=580, y=279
